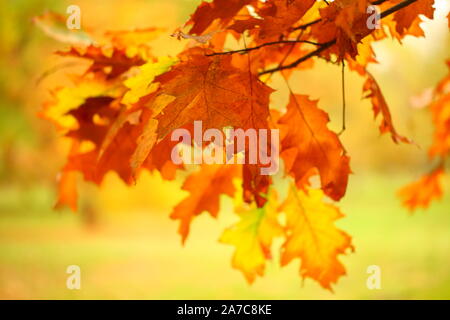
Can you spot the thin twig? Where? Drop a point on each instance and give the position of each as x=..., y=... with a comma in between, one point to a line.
x=245, y=50
x=395, y=8
x=300, y=60
x=306, y=25
x=343, y=98
x=300, y=34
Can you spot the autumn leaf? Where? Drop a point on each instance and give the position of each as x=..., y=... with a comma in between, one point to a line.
x=308, y=144
x=112, y=143
x=68, y=194
x=88, y=128
x=135, y=43
x=145, y=143
x=159, y=158
x=252, y=237
x=405, y=18
x=312, y=236
x=67, y=180
x=205, y=188
x=343, y=21
x=279, y=15
x=255, y=185
x=420, y=193
x=108, y=60
x=221, y=10
x=440, y=109
x=119, y=114
x=441, y=117
x=123, y=117
x=66, y=99
x=212, y=90
x=142, y=84
x=379, y=105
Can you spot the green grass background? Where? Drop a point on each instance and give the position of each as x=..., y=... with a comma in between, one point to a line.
x=141, y=257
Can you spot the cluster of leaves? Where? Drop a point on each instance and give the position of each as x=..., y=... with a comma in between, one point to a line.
x=429, y=187
x=120, y=112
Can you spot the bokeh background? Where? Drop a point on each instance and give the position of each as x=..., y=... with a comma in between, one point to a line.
x=123, y=239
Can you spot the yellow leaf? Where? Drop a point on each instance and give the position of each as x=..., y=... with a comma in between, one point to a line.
x=145, y=143
x=141, y=84
x=312, y=236
x=134, y=42
x=70, y=98
x=252, y=236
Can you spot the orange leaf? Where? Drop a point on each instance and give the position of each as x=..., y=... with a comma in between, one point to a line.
x=420, y=193
x=108, y=60
x=379, y=105
x=440, y=109
x=207, y=12
x=212, y=90
x=205, y=188
x=312, y=236
x=67, y=191
x=279, y=15
x=309, y=144
x=410, y=14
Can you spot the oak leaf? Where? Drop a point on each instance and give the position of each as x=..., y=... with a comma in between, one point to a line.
x=66, y=99
x=308, y=144
x=420, y=193
x=212, y=90
x=142, y=84
x=205, y=188
x=279, y=15
x=379, y=105
x=104, y=59
x=252, y=237
x=222, y=10
x=406, y=17
x=312, y=236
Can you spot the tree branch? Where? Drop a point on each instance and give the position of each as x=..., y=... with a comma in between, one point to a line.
x=395, y=8
x=343, y=98
x=245, y=50
x=306, y=25
x=326, y=45
x=302, y=27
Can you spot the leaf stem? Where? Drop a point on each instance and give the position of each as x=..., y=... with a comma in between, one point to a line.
x=343, y=98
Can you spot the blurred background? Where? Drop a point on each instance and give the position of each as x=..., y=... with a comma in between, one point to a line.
x=123, y=239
